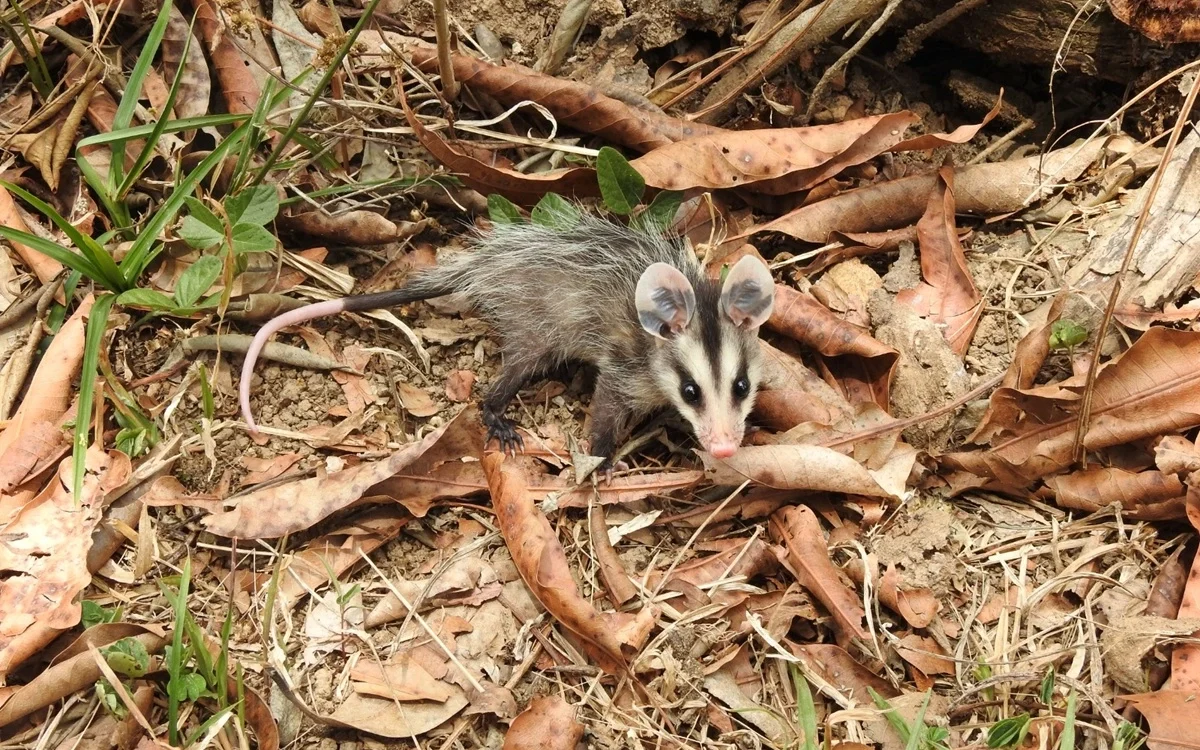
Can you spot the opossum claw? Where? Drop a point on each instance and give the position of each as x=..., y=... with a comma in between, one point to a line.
x=504, y=431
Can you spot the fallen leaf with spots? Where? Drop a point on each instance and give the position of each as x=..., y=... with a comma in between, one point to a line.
x=610, y=637
x=774, y=161
x=459, y=384
x=548, y=724
x=807, y=556
x=811, y=467
x=1173, y=716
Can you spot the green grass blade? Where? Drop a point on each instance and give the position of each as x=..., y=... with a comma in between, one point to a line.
x=118, y=212
x=334, y=65
x=74, y=261
x=1067, y=741
x=258, y=120
x=166, y=212
x=169, y=126
x=147, y=152
x=35, y=64
x=806, y=710
x=90, y=249
x=133, y=89
x=92, y=341
x=175, y=663
x=917, y=735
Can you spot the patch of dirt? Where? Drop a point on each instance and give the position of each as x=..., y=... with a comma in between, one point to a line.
x=923, y=543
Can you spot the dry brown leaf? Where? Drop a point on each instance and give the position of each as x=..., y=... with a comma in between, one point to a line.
x=918, y=606
x=573, y=104
x=167, y=491
x=1175, y=454
x=866, y=360
x=49, y=395
x=1151, y=390
x=811, y=467
x=401, y=678
x=1026, y=363
x=995, y=188
x=525, y=189
x=416, y=401
x=459, y=384
x=240, y=86
x=543, y=565
x=792, y=394
x=841, y=670
x=1185, y=659
x=273, y=511
x=43, y=266
x=547, y=724
x=195, y=83
x=925, y=654
x=44, y=559
x=467, y=581
x=947, y=296
x=961, y=134
x=319, y=18
x=1173, y=716
x=797, y=529
x=48, y=149
x=1142, y=495
x=265, y=469
x=617, y=585
x=352, y=227
x=386, y=718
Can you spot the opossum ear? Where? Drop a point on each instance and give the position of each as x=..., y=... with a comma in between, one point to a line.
x=749, y=293
x=665, y=300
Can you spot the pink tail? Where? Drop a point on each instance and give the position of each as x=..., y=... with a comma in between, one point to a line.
x=290, y=318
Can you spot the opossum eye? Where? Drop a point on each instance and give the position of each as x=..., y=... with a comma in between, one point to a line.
x=690, y=393
x=741, y=388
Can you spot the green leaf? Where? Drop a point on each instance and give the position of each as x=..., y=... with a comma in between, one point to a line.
x=194, y=685
x=1067, y=739
x=172, y=126
x=251, y=238
x=1008, y=732
x=1047, y=691
x=93, y=339
x=660, y=214
x=196, y=280
x=555, y=212
x=1067, y=334
x=133, y=88
x=198, y=233
x=620, y=184
x=806, y=710
x=503, y=211
x=93, y=614
x=146, y=298
x=256, y=205
x=127, y=657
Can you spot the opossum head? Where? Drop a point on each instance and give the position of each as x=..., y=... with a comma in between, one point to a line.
x=706, y=361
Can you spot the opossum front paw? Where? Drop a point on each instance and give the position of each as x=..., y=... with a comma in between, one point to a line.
x=504, y=431
x=607, y=468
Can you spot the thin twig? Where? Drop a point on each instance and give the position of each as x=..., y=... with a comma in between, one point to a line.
x=1085, y=404
x=445, y=56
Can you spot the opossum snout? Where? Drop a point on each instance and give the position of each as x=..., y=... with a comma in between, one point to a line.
x=723, y=449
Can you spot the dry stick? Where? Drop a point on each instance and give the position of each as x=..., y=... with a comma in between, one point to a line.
x=916, y=36
x=1085, y=405
x=18, y=309
x=818, y=92
x=445, y=64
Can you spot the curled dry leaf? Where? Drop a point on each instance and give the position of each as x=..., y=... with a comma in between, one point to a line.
x=961, y=134
x=45, y=403
x=801, y=317
x=273, y=511
x=49, y=148
x=995, y=188
x=548, y=724
x=1175, y=454
x=402, y=678
x=526, y=189
x=947, y=295
x=1142, y=495
x=617, y=585
x=791, y=394
x=240, y=87
x=925, y=654
x=195, y=83
x=774, y=161
x=918, y=606
x=352, y=227
x=840, y=669
x=797, y=529
x=543, y=565
x=573, y=104
x=1151, y=390
x=416, y=401
x=811, y=467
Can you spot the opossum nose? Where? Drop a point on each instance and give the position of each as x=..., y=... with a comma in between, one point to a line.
x=723, y=448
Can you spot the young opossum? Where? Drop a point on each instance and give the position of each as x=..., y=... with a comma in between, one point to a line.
x=637, y=307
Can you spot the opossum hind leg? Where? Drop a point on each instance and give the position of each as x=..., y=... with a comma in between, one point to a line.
x=517, y=372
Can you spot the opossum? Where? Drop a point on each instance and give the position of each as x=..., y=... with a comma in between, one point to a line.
x=636, y=306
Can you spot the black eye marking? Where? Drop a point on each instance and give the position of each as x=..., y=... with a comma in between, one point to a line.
x=741, y=388
x=690, y=393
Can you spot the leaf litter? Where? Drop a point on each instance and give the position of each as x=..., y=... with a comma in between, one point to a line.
x=910, y=528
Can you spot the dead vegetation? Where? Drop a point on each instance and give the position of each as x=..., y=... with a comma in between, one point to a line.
x=965, y=517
